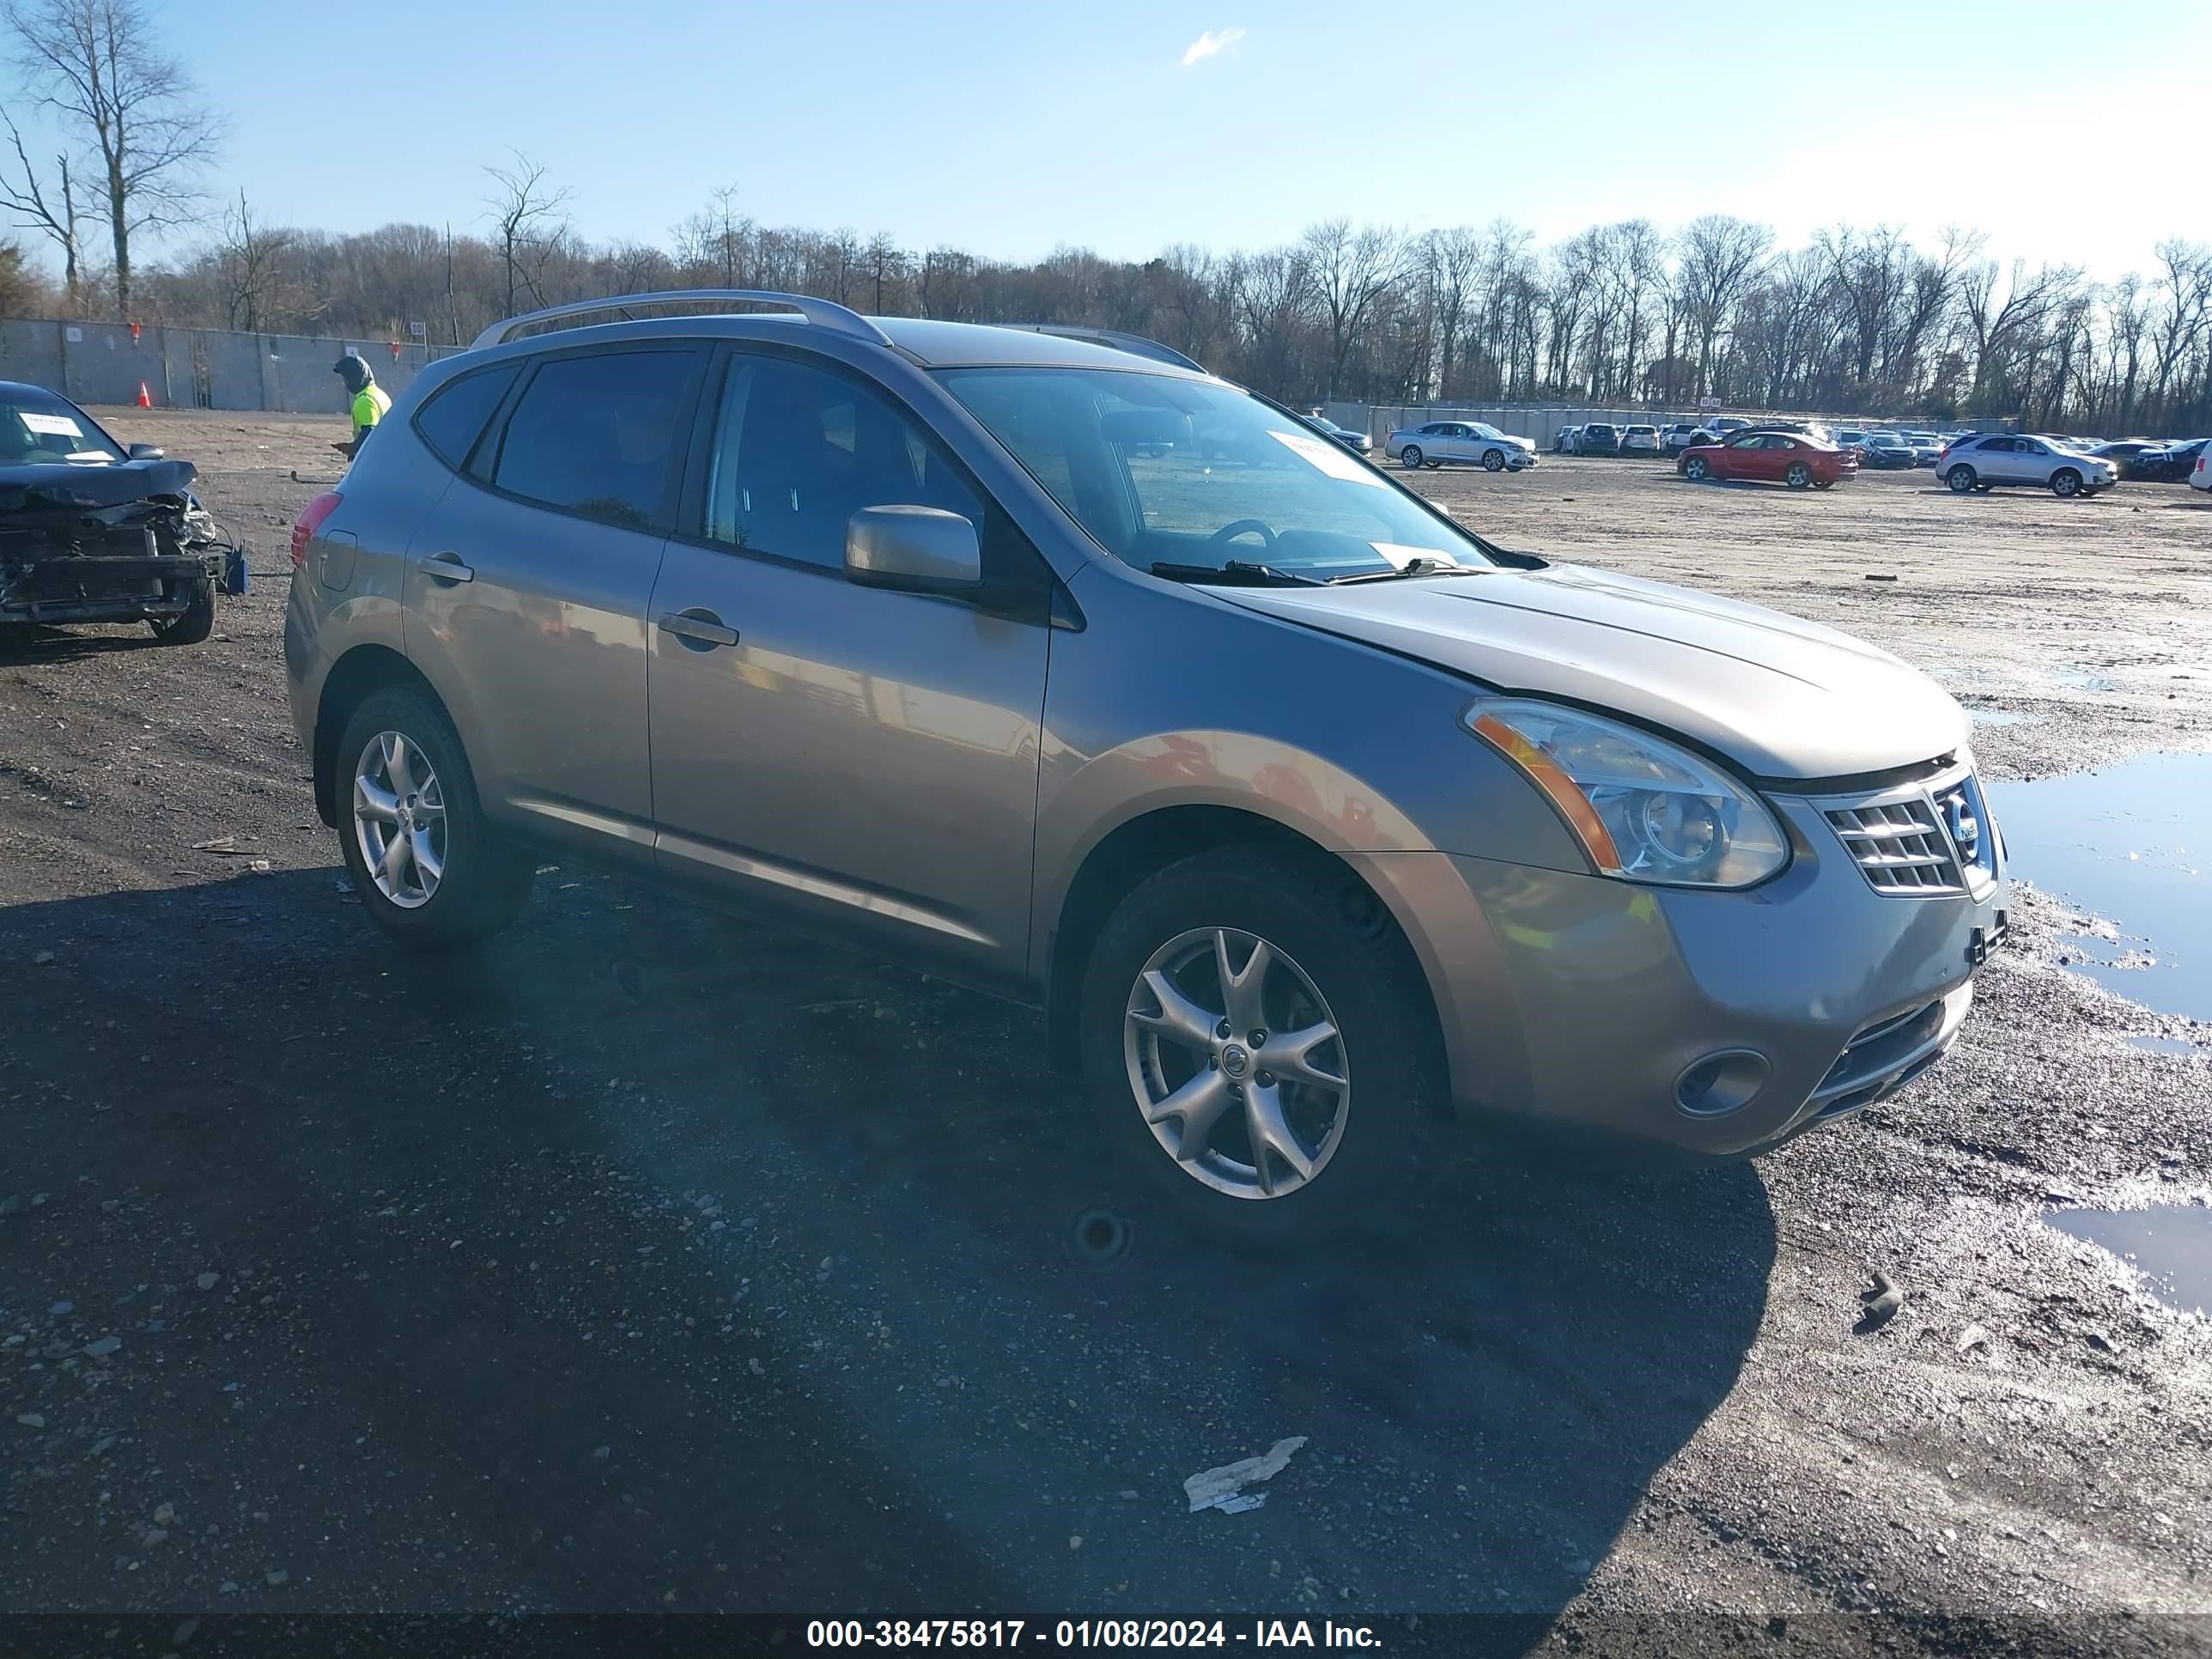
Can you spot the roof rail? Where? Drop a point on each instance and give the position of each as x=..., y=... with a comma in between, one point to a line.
x=1135, y=344
x=822, y=313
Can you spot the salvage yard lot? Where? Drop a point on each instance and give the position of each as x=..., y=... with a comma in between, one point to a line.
x=654, y=1261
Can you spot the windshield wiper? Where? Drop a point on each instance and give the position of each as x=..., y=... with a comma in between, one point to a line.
x=1436, y=566
x=1238, y=571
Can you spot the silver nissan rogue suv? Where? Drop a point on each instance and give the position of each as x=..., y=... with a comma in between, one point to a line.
x=1315, y=822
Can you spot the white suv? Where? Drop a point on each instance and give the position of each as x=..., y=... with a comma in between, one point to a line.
x=1988, y=459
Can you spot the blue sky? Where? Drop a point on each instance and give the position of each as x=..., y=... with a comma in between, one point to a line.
x=1007, y=129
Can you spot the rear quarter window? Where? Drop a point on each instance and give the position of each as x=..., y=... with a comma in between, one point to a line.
x=601, y=436
x=453, y=418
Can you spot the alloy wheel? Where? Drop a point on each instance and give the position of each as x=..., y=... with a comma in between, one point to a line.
x=1410, y=457
x=1236, y=1063
x=399, y=819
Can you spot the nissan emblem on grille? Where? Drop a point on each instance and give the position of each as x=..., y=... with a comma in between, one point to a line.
x=1965, y=832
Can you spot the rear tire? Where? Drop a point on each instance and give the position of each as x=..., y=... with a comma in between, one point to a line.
x=1960, y=479
x=1336, y=960
x=476, y=883
x=191, y=626
x=1410, y=457
x=1824, y=483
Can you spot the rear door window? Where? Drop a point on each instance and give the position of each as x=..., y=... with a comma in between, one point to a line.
x=453, y=419
x=602, y=436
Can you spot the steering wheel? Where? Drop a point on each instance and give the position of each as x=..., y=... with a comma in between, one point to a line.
x=1229, y=532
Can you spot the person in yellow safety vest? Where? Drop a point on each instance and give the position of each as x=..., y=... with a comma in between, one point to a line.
x=368, y=400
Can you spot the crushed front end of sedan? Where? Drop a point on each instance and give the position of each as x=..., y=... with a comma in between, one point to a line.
x=110, y=544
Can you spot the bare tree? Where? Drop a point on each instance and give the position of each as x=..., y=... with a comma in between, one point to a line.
x=1350, y=270
x=25, y=197
x=253, y=262
x=1450, y=259
x=525, y=211
x=96, y=65
x=1721, y=256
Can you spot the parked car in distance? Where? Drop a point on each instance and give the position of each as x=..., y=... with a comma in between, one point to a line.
x=1720, y=425
x=2121, y=450
x=1563, y=440
x=1639, y=439
x=92, y=531
x=789, y=593
x=1678, y=436
x=2200, y=470
x=1358, y=442
x=1850, y=437
x=1765, y=457
x=1989, y=459
x=1598, y=438
x=1888, y=451
x=1926, y=446
x=2167, y=463
x=1460, y=442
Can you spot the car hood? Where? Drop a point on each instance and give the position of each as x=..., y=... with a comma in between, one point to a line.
x=1781, y=697
x=61, y=485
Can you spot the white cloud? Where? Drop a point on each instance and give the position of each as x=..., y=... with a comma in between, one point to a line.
x=1209, y=44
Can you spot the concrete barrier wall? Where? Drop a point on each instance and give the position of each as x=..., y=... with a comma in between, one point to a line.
x=199, y=368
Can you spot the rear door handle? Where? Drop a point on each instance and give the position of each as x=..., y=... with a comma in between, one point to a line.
x=700, y=629
x=447, y=568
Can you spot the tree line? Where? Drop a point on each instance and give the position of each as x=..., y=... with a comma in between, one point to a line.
x=1856, y=321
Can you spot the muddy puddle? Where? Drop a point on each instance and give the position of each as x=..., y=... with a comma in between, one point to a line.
x=2170, y=1243
x=2131, y=844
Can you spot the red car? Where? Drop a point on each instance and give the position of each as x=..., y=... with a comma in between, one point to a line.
x=1784, y=458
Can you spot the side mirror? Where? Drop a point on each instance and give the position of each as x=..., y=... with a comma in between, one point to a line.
x=920, y=550
x=147, y=452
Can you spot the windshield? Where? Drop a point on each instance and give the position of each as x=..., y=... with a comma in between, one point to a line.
x=1483, y=431
x=1165, y=470
x=40, y=429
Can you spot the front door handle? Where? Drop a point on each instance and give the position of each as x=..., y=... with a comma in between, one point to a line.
x=699, y=629
x=447, y=568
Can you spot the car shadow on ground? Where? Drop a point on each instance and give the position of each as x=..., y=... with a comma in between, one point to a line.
x=35, y=643
x=521, y=1283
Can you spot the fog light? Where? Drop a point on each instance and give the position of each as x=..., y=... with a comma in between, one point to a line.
x=1721, y=1083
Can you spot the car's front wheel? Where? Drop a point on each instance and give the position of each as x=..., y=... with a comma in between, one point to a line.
x=1695, y=470
x=1960, y=479
x=191, y=625
x=2065, y=483
x=1410, y=457
x=428, y=866
x=1493, y=460
x=1261, y=1047
x=1798, y=476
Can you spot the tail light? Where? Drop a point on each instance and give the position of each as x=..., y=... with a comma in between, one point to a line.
x=309, y=522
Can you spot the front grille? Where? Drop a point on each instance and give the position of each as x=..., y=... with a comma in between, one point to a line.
x=1900, y=844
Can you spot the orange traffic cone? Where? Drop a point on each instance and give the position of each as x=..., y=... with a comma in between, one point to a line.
x=145, y=397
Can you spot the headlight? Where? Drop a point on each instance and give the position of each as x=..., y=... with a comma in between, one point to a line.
x=1644, y=809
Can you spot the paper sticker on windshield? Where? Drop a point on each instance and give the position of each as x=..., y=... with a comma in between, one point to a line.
x=1326, y=456
x=1399, y=555
x=54, y=426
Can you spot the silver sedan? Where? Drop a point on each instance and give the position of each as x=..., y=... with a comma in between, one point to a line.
x=1465, y=442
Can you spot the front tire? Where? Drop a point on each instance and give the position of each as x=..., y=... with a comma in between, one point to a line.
x=1410, y=457
x=1960, y=479
x=1236, y=1008
x=1695, y=470
x=427, y=864
x=191, y=625
x=1798, y=476
x=2066, y=483
x=1493, y=461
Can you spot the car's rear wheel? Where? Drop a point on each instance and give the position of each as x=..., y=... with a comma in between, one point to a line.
x=1493, y=460
x=1236, y=1008
x=1410, y=457
x=1798, y=476
x=2065, y=483
x=428, y=866
x=1960, y=479
x=1695, y=470
x=192, y=624
x=1824, y=483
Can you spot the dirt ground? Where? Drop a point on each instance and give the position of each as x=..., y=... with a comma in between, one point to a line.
x=654, y=1262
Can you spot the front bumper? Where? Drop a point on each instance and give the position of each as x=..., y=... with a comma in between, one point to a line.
x=1840, y=994
x=93, y=588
